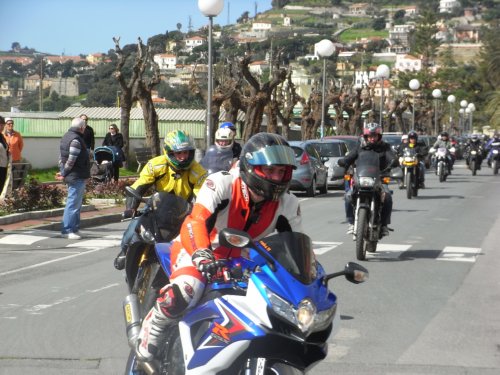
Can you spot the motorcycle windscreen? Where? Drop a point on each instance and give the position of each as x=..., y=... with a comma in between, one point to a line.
x=368, y=164
x=170, y=212
x=294, y=252
x=216, y=160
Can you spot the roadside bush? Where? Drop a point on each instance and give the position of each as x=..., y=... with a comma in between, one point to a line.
x=110, y=190
x=33, y=196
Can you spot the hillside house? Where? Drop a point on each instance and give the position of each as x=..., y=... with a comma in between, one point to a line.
x=408, y=63
x=165, y=61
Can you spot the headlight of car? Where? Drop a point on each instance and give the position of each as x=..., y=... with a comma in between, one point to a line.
x=366, y=181
x=303, y=317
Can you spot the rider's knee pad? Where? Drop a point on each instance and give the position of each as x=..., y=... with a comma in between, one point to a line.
x=171, y=302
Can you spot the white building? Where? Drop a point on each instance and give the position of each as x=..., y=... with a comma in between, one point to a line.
x=408, y=63
x=258, y=67
x=446, y=6
x=193, y=42
x=165, y=61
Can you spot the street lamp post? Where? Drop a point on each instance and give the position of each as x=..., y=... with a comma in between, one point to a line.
x=436, y=94
x=461, y=126
x=451, y=100
x=383, y=72
x=463, y=104
x=325, y=48
x=471, y=107
x=414, y=86
x=210, y=9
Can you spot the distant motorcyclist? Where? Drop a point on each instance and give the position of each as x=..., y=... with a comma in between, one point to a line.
x=420, y=150
x=489, y=148
x=445, y=142
x=372, y=134
x=235, y=146
x=474, y=143
x=220, y=156
x=174, y=172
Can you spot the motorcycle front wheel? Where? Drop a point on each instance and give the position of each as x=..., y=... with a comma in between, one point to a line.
x=263, y=366
x=361, y=233
x=408, y=184
x=472, y=165
x=494, y=165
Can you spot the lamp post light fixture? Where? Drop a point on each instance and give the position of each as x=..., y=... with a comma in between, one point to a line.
x=463, y=105
x=414, y=86
x=451, y=100
x=436, y=94
x=383, y=72
x=325, y=48
x=471, y=107
x=210, y=9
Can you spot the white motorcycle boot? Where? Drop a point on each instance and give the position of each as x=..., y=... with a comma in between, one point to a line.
x=167, y=308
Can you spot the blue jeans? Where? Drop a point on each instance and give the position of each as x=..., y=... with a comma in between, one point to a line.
x=71, y=217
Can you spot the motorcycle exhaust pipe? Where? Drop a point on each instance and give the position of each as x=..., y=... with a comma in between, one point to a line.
x=132, y=318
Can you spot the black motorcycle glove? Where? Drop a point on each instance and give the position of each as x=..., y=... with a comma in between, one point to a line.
x=204, y=261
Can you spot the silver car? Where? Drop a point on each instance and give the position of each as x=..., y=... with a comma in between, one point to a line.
x=311, y=173
x=333, y=149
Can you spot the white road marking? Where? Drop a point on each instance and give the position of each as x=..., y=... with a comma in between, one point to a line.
x=459, y=254
x=391, y=251
x=323, y=249
x=95, y=243
x=20, y=239
x=30, y=252
x=50, y=261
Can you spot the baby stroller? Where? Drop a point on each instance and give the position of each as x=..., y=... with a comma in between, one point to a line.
x=106, y=158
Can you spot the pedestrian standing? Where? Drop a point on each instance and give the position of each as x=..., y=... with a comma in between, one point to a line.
x=4, y=158
x=74, y=166
x=115, y=139
x=88, y=135
x=14, y=140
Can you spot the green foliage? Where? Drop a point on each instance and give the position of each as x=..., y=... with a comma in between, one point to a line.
x=110, y=190
x=33, y=196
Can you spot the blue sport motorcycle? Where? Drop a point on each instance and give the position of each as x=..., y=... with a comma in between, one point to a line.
x=266, y=311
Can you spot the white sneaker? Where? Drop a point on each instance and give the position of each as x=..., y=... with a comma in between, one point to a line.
x=350, y=229
x=72, y=236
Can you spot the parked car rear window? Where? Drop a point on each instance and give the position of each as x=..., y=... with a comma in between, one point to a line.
x=328, y=149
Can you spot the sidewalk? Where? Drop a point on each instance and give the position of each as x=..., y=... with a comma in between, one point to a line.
x=92, y=216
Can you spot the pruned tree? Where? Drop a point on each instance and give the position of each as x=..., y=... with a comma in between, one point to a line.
x=288, y=98
x=257, y=96
x=137, y=87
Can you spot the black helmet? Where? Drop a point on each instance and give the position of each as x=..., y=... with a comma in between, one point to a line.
x=266, y=149
x=444, y=134
x=413, y=134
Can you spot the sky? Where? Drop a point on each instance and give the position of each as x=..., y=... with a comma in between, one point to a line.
x=73, y=27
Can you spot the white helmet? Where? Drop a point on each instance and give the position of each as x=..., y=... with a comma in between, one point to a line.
x=224, y=138
x=404, y=137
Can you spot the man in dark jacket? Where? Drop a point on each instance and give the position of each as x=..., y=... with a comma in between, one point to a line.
x=74, y=167
x=88, y=135
x=420, y=150
x=372, y=134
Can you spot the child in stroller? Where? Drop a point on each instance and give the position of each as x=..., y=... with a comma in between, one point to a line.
x=107, y=161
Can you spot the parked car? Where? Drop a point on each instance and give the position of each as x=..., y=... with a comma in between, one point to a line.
x=351, y=141
x=333, y=149
x=311, y=173
x=393, y=139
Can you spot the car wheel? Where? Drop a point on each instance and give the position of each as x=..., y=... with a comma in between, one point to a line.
x=324, y=189
x=311, y=191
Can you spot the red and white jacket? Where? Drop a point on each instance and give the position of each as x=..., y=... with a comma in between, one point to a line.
x=224, y=202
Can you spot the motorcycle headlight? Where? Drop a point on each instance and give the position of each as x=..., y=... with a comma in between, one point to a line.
x=366, y=181
x=473, y=152
x=324, y=318
x=303, y=317
x=408, y=159
x=147, y=235
x=495, y=151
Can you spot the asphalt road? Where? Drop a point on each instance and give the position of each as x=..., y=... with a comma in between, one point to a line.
x=431, y=306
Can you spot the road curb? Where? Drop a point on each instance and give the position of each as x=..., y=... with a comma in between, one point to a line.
x=34, y=215
x=84, y=222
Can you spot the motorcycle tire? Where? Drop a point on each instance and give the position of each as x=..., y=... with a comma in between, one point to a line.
x=494, y=166
x=472, y=165
x=263, y=366
x=440, y=171
x=408, y=184
x=361, y=233
x=172, y=355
